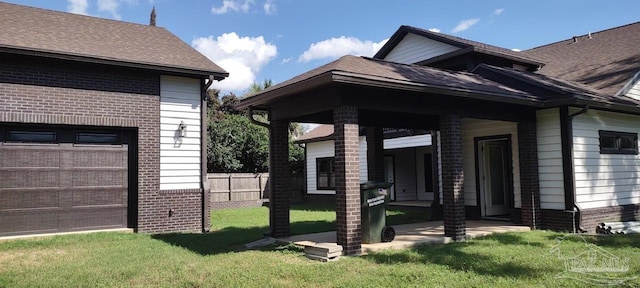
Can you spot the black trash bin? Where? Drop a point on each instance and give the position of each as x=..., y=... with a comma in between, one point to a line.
x=374, y=198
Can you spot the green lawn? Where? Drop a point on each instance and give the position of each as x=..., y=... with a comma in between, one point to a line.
x=217, y=260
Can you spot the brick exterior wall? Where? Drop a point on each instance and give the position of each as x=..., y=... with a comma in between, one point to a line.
x=46, y=91
x=592, y=217
x=529, y=184
x=279, y=172
x=557, y=220
x=347, y=174
x=452, y=177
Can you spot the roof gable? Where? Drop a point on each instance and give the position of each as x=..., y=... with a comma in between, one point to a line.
x=605, y=60
x=414, y=48
x=464, y=46
x=85, y=38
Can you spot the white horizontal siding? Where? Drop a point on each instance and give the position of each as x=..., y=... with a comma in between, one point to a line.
x=406, y=142
x=634, y=92
x=604, y=180
x=550, y=159
x=472, y=128
x=413, y=48
x=325, y=149
x=180, y=157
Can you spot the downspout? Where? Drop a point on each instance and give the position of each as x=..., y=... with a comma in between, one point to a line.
x=566, y=130
x=204, y=187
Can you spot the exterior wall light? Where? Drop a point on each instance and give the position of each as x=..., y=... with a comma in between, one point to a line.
x=182, y=129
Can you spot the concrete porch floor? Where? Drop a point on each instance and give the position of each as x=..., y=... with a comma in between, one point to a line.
x=410, y=235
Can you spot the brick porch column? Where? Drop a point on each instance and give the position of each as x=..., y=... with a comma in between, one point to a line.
x=452, y=176
x=375, y=154
x=347, y=179
x=279, y=179
x=529, y=185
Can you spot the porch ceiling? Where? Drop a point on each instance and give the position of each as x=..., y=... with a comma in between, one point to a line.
x=392, y=95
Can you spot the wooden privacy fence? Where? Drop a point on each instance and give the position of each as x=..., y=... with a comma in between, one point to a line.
x=229, y=187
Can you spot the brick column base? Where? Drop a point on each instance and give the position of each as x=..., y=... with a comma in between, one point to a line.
x=529, y=184
x=279, y=179
x=347, y=179
x=452, y=177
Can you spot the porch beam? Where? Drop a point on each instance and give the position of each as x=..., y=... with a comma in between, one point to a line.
x=279, y=190
x=347, y=179
x=452, y=177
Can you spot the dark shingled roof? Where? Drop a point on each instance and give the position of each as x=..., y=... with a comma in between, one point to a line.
x=410, y=76
x=570, y=90
x=605, y=62
x=455, y=41
x=58, y=34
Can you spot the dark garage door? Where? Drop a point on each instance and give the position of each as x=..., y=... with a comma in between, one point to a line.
x=62, y=180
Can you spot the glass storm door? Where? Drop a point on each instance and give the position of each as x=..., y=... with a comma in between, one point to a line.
x=494, y=177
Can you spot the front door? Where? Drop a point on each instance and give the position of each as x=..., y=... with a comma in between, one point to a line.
x=389, y=175
x=495, y=177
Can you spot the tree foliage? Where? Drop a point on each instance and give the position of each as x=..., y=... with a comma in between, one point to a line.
x=237, y=145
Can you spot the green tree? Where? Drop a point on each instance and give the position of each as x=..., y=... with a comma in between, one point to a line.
x=237, y=145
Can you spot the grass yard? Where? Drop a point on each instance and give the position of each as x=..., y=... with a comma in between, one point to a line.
x=217, y=260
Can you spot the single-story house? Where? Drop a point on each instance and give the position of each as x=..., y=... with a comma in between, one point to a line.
x=547, y=137
x=408, y=164
x=101, y=125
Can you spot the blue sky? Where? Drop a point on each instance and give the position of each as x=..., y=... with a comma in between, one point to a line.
x=278, y=39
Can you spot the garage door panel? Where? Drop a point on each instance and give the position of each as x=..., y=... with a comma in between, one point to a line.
x=100, y=197
x=33, y=158
x=92, y=218
x=93, y=158
x=27, y=222
x=29, y=178
x=99, y=178
x=27, y=198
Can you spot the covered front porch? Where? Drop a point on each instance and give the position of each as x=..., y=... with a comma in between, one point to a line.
x=415, y=234
x=356, y=91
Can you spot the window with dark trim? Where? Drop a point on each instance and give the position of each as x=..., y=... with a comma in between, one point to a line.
x=325, y=170
x=612, y=142
x=97, y=138
x=31, y=136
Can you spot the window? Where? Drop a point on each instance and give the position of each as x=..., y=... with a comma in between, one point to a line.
x=26, y=136
x=612, y=142
x=97, y=138
x=325, y=173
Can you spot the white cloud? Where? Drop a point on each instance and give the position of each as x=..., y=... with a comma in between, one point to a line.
x=498, y=12
x=337, y=47
x=435, y=30
x=77, y=6
x=269, y=7
x=286, y=60
x=233, y=5
x=242, y=57
x=516, y=50
x=109, y=6
x=465, y=24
